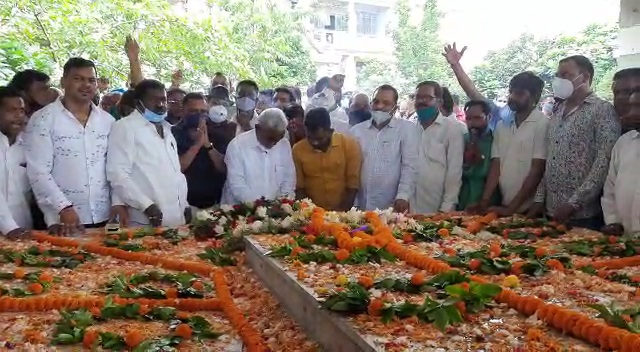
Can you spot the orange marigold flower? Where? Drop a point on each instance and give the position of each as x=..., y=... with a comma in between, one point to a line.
x=465, y=286
x=365, y=281
x=555, y=264
x=45, y=277
x=35, y=288
x=462, y=307
x=444, y=233
x=407, y=238
x=144, y=309
x=516, y=268
x=133, y=338
x=171, y=293
x=310, y=238
x=341, y=254
x=183, y=315
x=450, y=251
x=197, y=285
x=375, y=307
x=613, y=239
x=474, y=264
x=184, y=331
x=488, y=218
x=418, y=279
x=95, y=311
x=89, y=338
x=541, y=252
x=474, y=227
x=296, y=250
x=19, y=273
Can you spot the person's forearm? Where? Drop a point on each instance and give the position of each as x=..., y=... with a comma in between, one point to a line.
x=528, y=190
x=348, y=199
x=301, y=194
x=187, y=158
x=492, y=180
x=136, y=70
x=466, y=83
x=218, y=160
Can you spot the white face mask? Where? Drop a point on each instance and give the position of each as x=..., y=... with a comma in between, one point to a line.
x=325, y=99
x=563, y=88
x=380, y=117
x=217, y=113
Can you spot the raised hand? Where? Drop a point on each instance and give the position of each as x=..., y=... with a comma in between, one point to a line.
x=131, y=48
x=177, y=78
x=452, y=54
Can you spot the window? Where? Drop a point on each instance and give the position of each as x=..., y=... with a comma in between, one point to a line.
x=367, y=23
x=338, y=22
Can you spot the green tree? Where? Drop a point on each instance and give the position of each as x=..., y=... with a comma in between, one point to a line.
x=542, y=55
x=240, y=40
x=418, y=47
x=374, y=73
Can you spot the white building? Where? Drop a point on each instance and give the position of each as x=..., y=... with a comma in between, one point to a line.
x=344, y=34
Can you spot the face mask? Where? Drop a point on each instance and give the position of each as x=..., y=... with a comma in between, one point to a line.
x=427, y=114
x=563, y=88
x=152, y=116
x=245, y=104
x=325, y=99
x=217, y=113
x=380, y=117
x=358, y=116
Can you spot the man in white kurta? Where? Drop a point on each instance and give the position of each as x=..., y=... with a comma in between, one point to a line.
x=143, y=165
x=259, y=162
x=66, y=152
x=441, y=153
x=15, y=214
x=621, y=196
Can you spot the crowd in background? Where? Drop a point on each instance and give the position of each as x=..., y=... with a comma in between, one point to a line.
x=150, y=155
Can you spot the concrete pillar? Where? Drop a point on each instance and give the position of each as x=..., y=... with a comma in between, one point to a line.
x=629, y=38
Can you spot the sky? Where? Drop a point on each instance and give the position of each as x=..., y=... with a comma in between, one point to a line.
x=485, y=25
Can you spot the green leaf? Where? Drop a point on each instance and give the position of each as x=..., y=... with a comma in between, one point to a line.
x=441, y=319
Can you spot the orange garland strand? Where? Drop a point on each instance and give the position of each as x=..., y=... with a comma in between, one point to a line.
x=59, y=302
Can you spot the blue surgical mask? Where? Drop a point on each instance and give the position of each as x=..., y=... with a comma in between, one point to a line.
x=427, y=114
x=152, y=116
x=245, y=104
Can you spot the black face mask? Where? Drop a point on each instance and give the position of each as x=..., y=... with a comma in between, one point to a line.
x=357, y=116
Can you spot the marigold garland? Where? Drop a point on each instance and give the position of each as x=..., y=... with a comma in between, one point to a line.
x=595, y=331
x=251, y=338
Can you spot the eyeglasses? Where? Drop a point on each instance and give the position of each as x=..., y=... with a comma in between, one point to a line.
x=174, y=102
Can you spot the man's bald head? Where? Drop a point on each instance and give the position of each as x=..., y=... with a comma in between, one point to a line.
x=359, y=101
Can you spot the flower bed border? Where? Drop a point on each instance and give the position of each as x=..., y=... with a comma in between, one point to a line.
x=251, y=337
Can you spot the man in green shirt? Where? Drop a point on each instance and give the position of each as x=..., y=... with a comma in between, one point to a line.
x=477, y=154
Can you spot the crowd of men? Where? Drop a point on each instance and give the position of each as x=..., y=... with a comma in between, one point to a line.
x=151, y=156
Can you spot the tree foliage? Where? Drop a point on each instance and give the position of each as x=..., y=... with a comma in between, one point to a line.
x=264, y=45
x=418, y=47
x=542, y=55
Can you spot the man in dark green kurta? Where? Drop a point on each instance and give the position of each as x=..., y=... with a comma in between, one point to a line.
x=477, y=154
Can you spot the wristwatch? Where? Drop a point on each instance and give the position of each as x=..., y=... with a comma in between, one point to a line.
x=209, y=146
